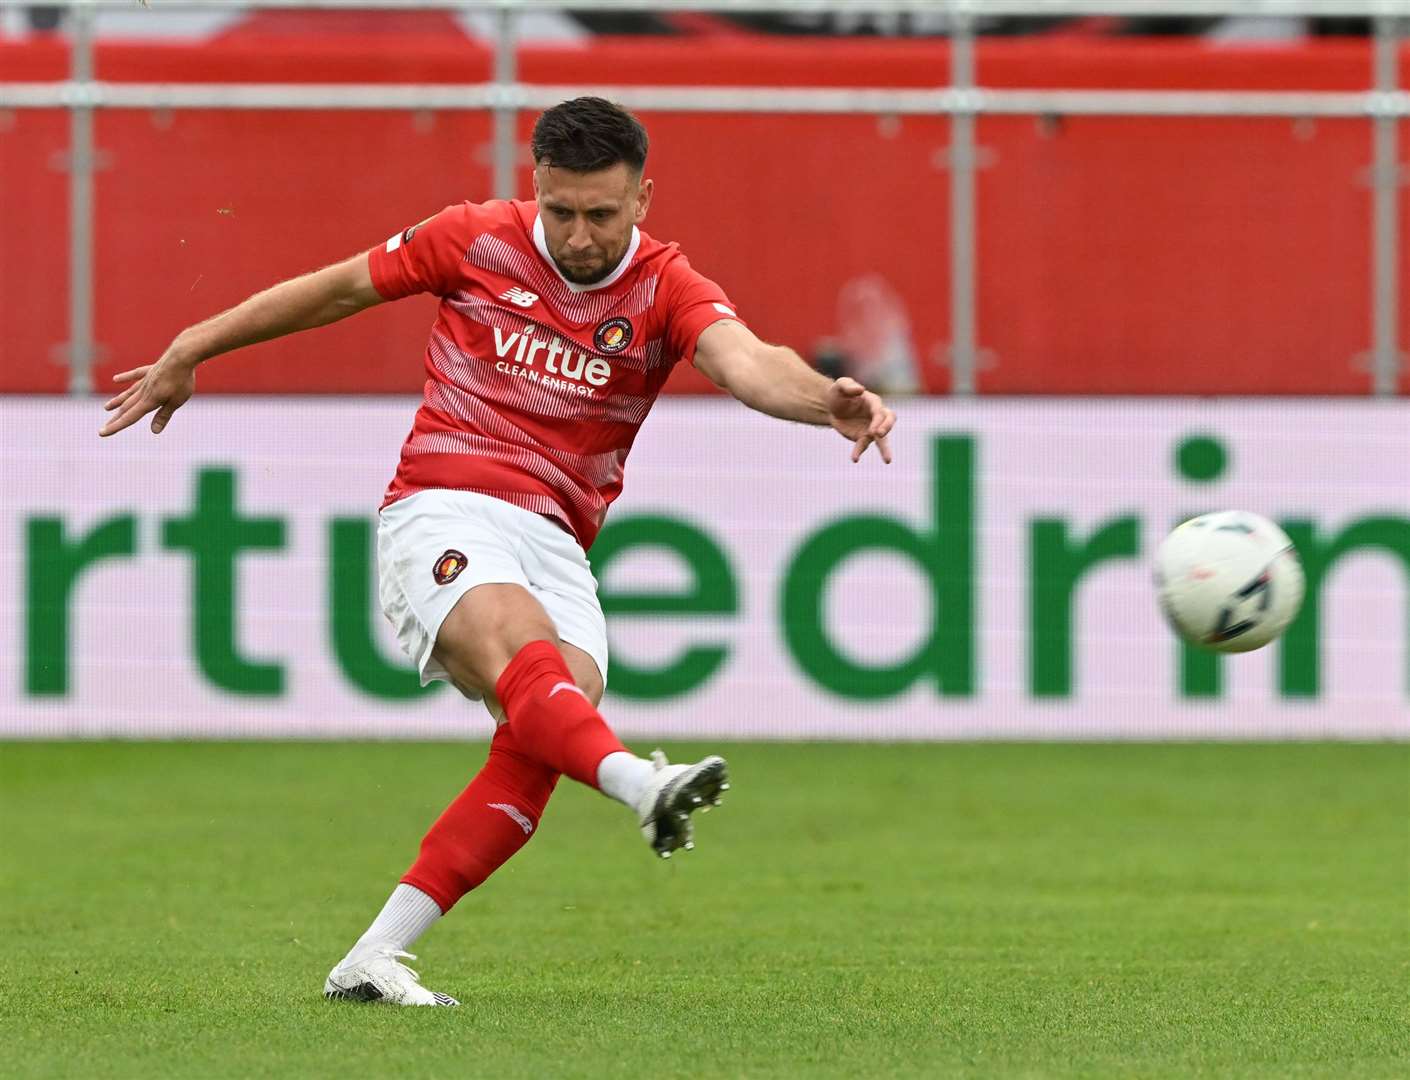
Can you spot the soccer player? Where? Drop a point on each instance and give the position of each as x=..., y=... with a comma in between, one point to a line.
x=558, y=324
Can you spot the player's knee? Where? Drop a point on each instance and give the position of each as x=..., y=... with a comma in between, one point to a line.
x=584, y=670
x=590, y=683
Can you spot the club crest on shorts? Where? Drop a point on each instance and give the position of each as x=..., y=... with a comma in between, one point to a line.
x=448, y=566
x=613, y=335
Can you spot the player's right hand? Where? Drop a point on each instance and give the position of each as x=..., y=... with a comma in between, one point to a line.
x=164, y=386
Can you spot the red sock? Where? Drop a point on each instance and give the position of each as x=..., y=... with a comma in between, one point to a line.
x=552, y=719
x=486, y=824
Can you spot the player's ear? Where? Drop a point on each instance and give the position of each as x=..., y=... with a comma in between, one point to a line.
x=536, y=183
x=643, y=201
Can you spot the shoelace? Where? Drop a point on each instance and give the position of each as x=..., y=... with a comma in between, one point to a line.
x=396, y=956
x=658, y=759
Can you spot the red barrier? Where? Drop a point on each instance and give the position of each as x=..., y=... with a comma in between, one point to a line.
x=1115, y=255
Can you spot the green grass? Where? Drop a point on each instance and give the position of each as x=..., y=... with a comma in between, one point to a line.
x=868, y=911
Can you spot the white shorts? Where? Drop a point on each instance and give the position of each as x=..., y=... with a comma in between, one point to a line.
x=435, y=546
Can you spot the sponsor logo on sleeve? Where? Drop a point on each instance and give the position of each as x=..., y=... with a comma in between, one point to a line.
x=725, y=311
x=403, y=237
x=448, y=566
x=613, y=336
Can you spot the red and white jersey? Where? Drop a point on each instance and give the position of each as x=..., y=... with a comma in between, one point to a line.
x=536, y=387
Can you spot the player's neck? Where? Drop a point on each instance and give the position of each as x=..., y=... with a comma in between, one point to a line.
x=541, y=243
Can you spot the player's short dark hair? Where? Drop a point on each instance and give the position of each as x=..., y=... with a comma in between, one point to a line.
x=588, y=134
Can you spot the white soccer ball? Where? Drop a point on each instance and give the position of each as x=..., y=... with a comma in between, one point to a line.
x=1229, y=581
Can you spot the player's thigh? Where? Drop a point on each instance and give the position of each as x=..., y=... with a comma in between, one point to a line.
x=433, y=548
x=485, y=629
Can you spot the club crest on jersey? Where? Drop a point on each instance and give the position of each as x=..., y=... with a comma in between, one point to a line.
x=613, y=336
x=448, y=566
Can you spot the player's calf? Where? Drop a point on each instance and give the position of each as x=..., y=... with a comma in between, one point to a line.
x=486, y=824
x=554, y=722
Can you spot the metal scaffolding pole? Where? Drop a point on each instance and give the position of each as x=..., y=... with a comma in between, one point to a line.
x=963, y=347
x=1386, y=103
x=506, y=114
x=813, y=100
x=81, y=164
x=1385, y=219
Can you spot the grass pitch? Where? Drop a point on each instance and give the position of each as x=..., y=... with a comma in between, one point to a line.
x=865, y=911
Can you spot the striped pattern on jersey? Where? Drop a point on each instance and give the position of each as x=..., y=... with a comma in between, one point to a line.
x=521, y=402
x=491, y=253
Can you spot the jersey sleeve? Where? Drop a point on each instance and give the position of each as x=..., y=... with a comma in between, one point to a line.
x=424, y=258
x=693, y=303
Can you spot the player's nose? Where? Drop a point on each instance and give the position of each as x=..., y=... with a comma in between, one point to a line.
x=579, y=239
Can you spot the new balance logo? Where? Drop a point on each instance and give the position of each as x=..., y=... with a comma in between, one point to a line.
x=565, y=686
x=521, y=297
x=516, y=814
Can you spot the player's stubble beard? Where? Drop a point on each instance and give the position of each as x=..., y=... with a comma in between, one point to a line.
x=593, y=273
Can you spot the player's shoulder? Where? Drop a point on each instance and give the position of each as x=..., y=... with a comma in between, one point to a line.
x=668, y=264
x=494, y=215
x=656, y=253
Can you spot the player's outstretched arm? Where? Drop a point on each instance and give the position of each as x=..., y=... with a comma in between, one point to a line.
x=775, y=380
x=301, y=303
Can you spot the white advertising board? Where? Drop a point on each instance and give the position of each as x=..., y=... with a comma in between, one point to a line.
x=994, y=582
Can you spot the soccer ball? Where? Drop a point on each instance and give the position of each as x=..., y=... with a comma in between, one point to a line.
x=1229, y=581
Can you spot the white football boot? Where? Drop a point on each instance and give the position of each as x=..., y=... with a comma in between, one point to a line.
x=674, y=793
x=376, y=973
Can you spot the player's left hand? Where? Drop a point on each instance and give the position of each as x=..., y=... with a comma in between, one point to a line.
x=858, y=414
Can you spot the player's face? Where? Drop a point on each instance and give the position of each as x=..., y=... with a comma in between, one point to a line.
x=588, y=217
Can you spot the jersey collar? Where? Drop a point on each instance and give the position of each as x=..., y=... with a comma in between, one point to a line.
x=541, y=242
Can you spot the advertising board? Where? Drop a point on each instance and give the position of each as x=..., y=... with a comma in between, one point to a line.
x=994, y=582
